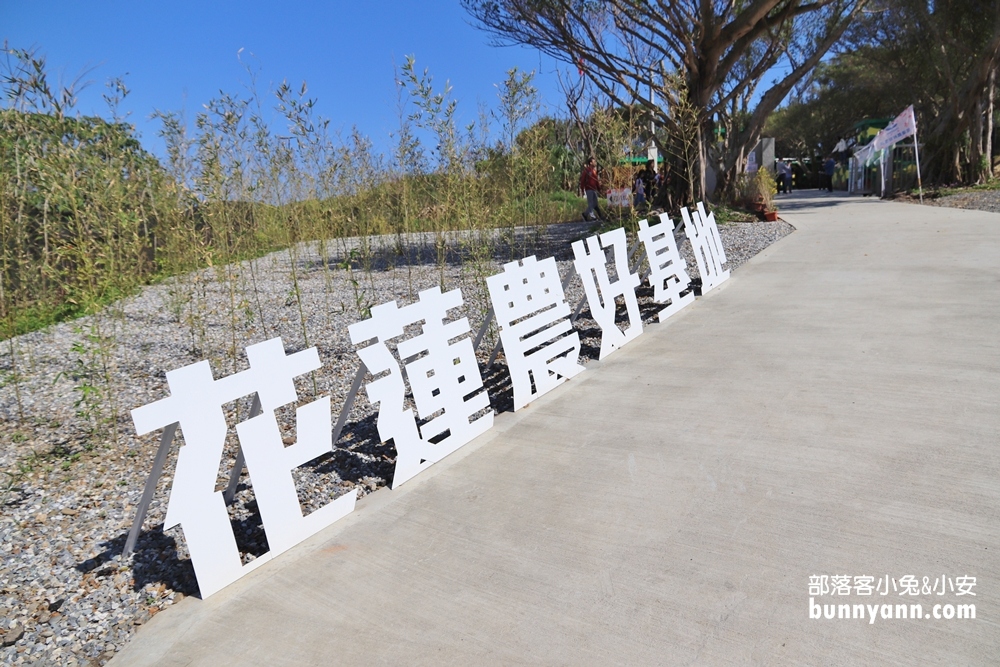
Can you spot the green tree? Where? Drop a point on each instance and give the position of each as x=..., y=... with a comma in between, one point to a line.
x=893, y=64
x=721, y=50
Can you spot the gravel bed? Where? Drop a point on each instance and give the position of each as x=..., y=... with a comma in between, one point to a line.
x=978, y=200
x=72, y=477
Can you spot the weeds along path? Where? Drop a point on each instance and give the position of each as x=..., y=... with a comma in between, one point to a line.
x=73, y=470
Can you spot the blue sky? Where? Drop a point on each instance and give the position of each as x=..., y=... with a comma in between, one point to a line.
x=179, y=54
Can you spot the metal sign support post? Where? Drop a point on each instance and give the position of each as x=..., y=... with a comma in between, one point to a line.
x=916, y=151
x=147, y=493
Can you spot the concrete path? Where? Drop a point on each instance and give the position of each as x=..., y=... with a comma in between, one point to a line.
x=831, y=410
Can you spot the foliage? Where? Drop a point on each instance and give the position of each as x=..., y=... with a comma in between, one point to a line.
x=79, y=216
x=754, y=191
x=843, y=91
x=721, y=51
x=952, y=87
x=725, y=214
x=86, y=215
x=954, y=96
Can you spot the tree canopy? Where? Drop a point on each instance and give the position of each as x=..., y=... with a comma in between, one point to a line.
x=718, y=50
x=939, y=56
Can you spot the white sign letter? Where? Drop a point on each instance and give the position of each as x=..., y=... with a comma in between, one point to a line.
x=703, y=233
x=668, y=270
x=196, y=401
x=271, y=463
x=444, y=378
x=539, y=342
x=591, y=264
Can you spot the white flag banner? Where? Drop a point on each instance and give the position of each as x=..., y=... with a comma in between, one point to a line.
x=866, y=155
x=904, y=125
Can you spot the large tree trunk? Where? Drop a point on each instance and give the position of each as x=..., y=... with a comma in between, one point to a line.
x=733, y=160
x=988, y=140
x=959, y=120
x=772, y=98
x=702, y=165
x=619, y=45
x=977, y=170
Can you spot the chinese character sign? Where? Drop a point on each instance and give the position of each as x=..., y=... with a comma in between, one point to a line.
x=668, y=271
x=909, y=584
x=591, y=264
x=196, y=402
x=444, y=377
x=703, y=233
x=271, y=462
x=891, y=598
x=539, y=342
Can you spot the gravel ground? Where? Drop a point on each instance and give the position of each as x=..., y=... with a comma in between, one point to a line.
x=978, y=200
x=70, y=485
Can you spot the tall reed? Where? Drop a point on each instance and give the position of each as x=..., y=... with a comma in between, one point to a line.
x=87, y=216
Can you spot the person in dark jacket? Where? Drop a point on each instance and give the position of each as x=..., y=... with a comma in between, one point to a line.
x=649, y=181
x=665, y=188
x=829, y=167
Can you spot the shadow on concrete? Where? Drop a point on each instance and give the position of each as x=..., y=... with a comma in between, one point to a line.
x=800, y=200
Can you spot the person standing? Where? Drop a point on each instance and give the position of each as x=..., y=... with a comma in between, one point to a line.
x=639, y=191
x=665, y=188
x=784, y=176
x=649, y=178
x=829, y=168
x=590, y=183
